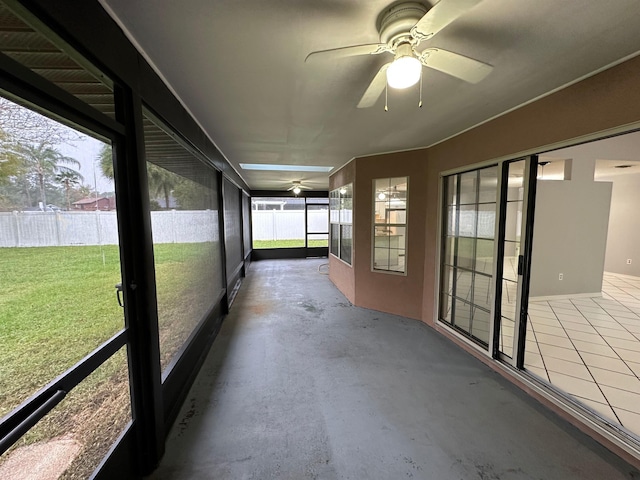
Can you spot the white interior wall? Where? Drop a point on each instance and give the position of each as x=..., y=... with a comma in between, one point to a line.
x=570, y=233
x=623, y=241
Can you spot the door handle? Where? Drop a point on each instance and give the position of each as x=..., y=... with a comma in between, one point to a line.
x=520, y=264
x=119, y=294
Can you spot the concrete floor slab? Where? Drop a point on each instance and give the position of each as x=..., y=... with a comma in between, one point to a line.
x=300, y=384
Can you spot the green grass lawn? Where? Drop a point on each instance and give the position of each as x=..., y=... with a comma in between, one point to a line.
x=288, y=243
x=58, y=304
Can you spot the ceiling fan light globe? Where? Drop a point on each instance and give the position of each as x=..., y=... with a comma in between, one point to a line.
x=296, y=190
x=404, y=72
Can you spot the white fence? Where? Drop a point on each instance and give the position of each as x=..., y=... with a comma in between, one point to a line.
x=44, y=229
x=287, y=224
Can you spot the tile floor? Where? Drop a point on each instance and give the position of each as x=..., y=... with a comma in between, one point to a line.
x=590, y=348
x=587, y=347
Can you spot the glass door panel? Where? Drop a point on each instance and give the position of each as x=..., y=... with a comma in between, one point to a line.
x=469, y=218
x=59, y=264
x=512, y=231
x=317, y=222
x=472, y=257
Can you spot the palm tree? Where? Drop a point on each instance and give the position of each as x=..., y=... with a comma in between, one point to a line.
x=106, y=161
x=43, y=162
x=161, y=182
x=68, y=179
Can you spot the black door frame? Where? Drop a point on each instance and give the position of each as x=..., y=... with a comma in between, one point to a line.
x=524, y=260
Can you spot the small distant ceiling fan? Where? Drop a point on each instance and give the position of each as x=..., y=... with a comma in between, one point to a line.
x=402, y=27
x=297, y=187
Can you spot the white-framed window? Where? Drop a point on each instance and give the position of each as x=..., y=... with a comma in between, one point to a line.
x=341, y=214
x=389, y=242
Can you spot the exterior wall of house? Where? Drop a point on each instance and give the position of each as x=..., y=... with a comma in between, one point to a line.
x=390, y=292
x=102, y=203
x=602, y=102
x=598, y=104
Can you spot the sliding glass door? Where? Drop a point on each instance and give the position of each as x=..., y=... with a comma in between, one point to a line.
x=486, y=254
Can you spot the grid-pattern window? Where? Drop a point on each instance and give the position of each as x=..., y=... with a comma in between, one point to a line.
x=390, y=224
x=335, y=239
x=341, y=215
x=469, y=215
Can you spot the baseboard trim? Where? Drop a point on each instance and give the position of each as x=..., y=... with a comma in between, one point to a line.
x=565, y=297
x=624, y=275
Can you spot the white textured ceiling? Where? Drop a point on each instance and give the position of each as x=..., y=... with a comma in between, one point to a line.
x=238, y=67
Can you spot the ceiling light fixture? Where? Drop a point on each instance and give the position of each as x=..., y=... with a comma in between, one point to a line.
x=381, y=196
x=297, y=187
x=406, y=68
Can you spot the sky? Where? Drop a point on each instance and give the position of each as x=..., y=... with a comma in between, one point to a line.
x=85, y=149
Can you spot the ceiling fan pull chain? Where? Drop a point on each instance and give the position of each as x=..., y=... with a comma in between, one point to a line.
x=420, y=102
x=386, y=95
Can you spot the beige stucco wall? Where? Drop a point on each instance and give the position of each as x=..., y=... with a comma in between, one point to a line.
x=607, y=100
x=387, y=292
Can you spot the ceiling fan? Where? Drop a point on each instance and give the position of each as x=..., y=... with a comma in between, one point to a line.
x=297, y=187
x=402, y=27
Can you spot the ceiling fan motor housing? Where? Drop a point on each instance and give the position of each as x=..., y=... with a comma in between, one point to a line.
x=394, y=23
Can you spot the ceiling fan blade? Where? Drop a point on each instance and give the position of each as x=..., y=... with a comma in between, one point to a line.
x=375, y=88
x=299, y=185
x=352, y=51
x=456, y=65
x=442, y=14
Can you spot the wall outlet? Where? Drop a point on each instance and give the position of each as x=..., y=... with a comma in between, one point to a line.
x=628, y=261
x=560, y=276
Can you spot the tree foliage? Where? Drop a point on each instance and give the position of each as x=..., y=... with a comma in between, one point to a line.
x=31, y=166
x=105, y=159
x=69, y=180
x=43, y=163
x=31, y=127
x=161, y=181
x=190, y=195
x=9, y=163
